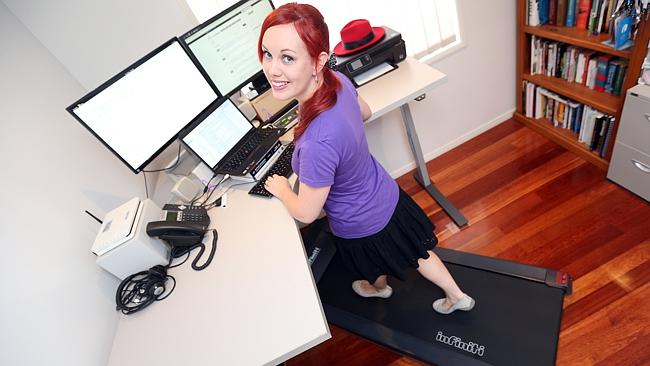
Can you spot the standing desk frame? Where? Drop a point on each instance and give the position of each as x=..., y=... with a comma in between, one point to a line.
x=410, y=81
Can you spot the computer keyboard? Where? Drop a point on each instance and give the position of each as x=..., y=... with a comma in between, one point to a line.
x=282, y=166
x=244, y=151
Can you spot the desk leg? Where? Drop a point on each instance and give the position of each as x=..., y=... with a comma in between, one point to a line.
x=422, y=175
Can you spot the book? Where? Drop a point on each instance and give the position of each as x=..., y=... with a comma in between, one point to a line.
x=539, y=103
x=550, y=107
x=561, y=12
x=543, y=11
x=571, y=13
x=608, y=16
x=589, y=55
x=599, y=19
x=559, y=58
x=601, y=72
x=600, y=143
x=622, y=31
x=559, y=114
x=612, y=68
x=533, y=13
x=573, y=64
x=596, y=132
x=588, y=126
x=593, y=15
x=580, y=68
x=530, y=100
x=591, y=73
x=552, y=11
x=533, y=55
x=620, y=76
x=608, y=136
x=586, y=116
x=576, y=126
x=584, y=8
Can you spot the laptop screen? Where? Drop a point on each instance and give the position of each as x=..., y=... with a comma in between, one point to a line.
x=218, y=133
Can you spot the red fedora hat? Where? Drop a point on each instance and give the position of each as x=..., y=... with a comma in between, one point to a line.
x=357, y=35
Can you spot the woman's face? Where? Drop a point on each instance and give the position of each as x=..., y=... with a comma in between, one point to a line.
x=287, y=64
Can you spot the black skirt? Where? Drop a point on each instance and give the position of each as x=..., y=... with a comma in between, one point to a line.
x=406, y=238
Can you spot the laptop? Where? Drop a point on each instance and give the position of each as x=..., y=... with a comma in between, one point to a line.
x=227, y=142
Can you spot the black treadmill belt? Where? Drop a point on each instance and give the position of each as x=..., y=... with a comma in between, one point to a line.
x=515, y=321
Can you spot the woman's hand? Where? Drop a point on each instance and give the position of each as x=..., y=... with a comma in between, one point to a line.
x=277, y=185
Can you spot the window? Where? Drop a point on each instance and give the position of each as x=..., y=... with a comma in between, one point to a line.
x=429, y=27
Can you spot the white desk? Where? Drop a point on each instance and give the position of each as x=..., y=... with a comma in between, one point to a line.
x=255, y=304
x=410, y=81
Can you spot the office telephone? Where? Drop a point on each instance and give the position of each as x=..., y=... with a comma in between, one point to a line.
x=182, y=225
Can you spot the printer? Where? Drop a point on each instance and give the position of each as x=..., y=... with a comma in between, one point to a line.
x=391, y=49
x=122, y=245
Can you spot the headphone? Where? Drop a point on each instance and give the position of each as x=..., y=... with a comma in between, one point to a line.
x=141, y=289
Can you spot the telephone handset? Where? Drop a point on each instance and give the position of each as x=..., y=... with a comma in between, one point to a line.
x=182, y=225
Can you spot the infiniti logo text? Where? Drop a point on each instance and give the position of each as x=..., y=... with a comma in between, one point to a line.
x=454, y=341
x=313, y=256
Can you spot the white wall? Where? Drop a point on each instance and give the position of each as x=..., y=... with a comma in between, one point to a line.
x=56, y=305
x=479, y=92
x=95, y=40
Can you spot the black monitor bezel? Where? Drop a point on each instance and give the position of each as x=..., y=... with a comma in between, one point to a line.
x=182, y=38
x=117, y=77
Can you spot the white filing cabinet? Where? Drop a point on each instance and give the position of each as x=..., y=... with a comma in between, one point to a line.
x=630, y=164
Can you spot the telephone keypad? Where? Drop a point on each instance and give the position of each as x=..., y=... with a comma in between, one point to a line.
x=182, y=213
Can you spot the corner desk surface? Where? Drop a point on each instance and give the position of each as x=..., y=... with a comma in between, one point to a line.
x=255, y=304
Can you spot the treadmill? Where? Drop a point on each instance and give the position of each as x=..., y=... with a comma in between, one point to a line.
x=516, y=320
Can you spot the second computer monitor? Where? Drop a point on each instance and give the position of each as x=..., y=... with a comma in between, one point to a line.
x=225, y=46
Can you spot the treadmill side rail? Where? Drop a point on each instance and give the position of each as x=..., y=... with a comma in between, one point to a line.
x=550, y=277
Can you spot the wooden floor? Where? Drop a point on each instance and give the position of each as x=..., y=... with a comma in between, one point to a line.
x=531, y=201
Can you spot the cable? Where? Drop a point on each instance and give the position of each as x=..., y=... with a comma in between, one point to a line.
x=178, y=159
x=144, y=172
x=94, y=217
x=179, y=251
x=205, y=189
x=146, y=188
x=223, y=179
x=140, y=290
x=217, y=201
x=171, y=258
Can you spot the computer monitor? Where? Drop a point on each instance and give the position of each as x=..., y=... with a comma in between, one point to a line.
x=140, y=111
x=225, y=46
x=218, y=132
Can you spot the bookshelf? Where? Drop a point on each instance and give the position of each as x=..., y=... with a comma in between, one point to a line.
x=604, y=102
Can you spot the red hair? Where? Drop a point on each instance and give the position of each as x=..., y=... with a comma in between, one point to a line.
x=313, y=32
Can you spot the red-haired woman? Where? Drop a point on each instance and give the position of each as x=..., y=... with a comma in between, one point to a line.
x=378, y=229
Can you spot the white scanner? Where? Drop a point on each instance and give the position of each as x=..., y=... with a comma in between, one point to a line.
x=122, y=245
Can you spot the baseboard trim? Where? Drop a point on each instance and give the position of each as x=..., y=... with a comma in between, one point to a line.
x=452, y=144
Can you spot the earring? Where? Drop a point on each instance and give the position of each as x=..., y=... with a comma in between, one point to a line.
x=316, y=78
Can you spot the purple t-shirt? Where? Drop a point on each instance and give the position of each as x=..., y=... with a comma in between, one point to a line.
x=333, y=151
